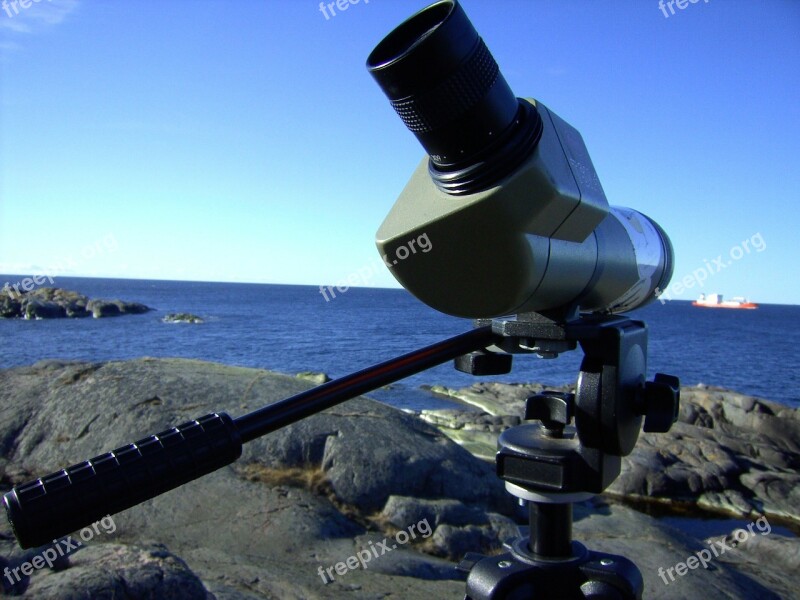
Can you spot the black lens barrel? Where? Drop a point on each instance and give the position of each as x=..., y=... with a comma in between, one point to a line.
x=447, y=88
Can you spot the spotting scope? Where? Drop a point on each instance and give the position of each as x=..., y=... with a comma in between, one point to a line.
x=508, y=195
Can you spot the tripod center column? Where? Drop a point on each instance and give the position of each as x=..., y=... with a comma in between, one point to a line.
x=551, y=529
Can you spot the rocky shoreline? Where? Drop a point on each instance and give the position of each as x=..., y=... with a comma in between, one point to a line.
x=311, y=496
x=728, y=453
x=57, y=303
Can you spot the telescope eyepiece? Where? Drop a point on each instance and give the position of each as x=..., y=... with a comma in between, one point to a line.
x=447, y=88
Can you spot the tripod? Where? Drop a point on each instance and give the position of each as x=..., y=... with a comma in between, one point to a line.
x=549, y=465
x=552, y=464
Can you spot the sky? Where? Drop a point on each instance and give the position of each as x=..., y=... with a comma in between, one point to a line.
x=244, y=140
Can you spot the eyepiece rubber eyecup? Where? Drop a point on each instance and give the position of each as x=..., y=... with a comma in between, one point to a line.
x=446, y=87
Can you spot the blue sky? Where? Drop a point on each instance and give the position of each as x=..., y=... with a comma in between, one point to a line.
x=245, y=140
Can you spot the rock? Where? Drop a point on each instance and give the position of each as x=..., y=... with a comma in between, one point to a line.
x=300, y=500
x=103, y=308
x=315, y=378
x=38, y=309
x=748, y=551
x=775, y=493
x=254, y=529
x=110, y=570
x=114, y=308
x=181, y=318
x=9, y=307
x=76, y=309
x=476, y=432
x=401, y=510
x=54, y=303
x=732, y=502
x=457, y=528
x=405, y=456
x=656, y=547
x=728, y=452
x=457, y=541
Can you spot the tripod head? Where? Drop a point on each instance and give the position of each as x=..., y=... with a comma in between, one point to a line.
x=610, y=403
x=570, y=449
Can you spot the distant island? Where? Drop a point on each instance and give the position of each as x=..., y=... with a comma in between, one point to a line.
x=57, y=303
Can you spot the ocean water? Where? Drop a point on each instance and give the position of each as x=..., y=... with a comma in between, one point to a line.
x=292, y=328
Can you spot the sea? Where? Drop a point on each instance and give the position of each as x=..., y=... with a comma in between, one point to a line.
x=292, y=328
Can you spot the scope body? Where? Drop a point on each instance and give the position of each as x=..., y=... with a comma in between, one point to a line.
x=508, y=196
x=542, y=238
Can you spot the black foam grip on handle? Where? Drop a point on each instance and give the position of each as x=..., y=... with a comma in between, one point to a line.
x=80, y=495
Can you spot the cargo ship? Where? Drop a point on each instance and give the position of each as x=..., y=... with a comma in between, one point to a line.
x=716, y=301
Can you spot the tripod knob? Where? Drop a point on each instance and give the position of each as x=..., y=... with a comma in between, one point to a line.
x=483, y=362
x=554, y=409
x=661, y=403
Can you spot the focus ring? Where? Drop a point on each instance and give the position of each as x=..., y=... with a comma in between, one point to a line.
x=452, y=97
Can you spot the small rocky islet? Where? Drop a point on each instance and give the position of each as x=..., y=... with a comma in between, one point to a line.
x=182, y=318
x=315, y=493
